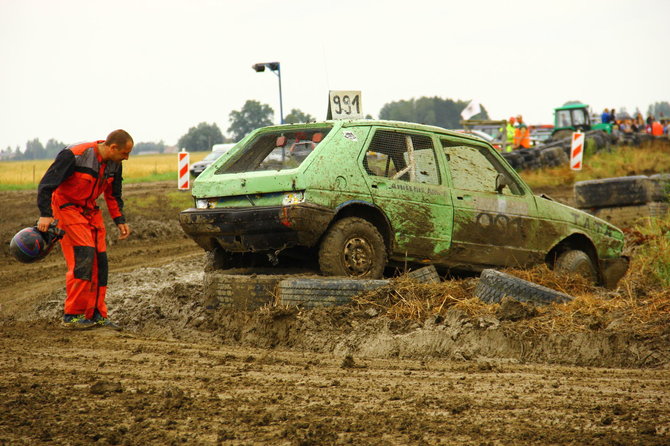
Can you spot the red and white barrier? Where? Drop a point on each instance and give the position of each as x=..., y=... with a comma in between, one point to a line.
x=183, y=181
x=577, y=151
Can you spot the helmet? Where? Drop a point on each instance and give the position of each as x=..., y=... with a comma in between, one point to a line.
x=512, y=119
x=30, y=244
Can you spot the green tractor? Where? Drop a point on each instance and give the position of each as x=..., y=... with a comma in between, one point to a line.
x=575, y=116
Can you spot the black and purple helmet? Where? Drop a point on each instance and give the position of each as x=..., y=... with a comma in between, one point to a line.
x=30, y=245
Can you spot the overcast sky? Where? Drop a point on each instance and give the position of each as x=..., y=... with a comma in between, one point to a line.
x=75, y=69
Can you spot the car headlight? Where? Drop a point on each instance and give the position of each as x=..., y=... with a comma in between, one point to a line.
x=293, y=198
x=205, y=203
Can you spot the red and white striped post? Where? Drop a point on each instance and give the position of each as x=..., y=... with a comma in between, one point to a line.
x=183, y=182
x=577, y=151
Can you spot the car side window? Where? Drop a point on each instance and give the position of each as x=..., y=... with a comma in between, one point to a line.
x=474, y=168
x=402, y=156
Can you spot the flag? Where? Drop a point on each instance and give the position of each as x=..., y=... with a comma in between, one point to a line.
x=471, y=110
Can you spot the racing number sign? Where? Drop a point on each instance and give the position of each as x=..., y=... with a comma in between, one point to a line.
x=344, y=105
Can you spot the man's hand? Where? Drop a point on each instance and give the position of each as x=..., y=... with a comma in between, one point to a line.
x=124, y=231
x=43, y=223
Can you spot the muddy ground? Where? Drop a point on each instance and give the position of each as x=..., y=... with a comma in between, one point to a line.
x=358, y=374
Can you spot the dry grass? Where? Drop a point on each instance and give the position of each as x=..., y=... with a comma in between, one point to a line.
x=405, y=299
x=640, y=304
x=644, y=160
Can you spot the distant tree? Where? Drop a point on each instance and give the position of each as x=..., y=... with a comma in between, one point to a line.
x=149, y=147
x=252, y=116
x=53, y=147
x=34, y=150
x=660, y=110
x=296, y=116
x=433, y=111
x=201, y=138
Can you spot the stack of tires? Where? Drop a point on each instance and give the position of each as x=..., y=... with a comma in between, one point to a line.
x=624, y=200
x=556, y=153
x=229, y=289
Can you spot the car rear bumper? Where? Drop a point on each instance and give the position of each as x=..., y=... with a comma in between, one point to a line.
x=256, y=229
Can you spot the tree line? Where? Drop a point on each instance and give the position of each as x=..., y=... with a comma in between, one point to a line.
x=253, y=114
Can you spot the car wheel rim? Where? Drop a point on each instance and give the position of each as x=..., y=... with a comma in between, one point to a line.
x=357, y=255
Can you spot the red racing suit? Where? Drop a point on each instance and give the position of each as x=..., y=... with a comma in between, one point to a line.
x=68, y=192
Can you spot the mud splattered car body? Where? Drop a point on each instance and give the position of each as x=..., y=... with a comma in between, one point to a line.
x=371, y=193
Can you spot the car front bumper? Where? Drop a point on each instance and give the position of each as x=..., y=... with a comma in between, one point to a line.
x=256, y=229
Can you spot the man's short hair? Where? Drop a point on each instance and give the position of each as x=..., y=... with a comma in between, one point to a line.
x=120, y=138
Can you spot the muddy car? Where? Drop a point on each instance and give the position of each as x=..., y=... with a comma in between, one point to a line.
x=368, y=195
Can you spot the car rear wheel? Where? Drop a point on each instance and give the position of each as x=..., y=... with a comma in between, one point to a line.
x=352, y=247
x=578, y=262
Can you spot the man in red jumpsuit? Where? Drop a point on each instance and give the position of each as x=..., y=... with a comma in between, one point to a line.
x=68, y=193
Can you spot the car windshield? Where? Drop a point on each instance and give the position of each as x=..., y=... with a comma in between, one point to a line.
x=277, y=150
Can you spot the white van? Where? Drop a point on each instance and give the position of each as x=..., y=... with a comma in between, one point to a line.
x=217, y=151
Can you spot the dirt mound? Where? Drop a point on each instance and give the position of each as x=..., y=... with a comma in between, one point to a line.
x=156, y=289
x=169, y=302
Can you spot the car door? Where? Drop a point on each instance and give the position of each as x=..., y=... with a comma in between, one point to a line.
x=491, y=227
x=403, y=176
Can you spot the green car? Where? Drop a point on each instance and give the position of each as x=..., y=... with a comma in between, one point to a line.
x=360, y=196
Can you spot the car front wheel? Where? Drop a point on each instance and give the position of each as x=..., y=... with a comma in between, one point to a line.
x=576, y=262
x=352, y=247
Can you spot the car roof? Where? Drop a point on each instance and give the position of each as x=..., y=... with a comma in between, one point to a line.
x=400, y=125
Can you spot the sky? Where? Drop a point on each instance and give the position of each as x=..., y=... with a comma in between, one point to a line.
x=74, y=70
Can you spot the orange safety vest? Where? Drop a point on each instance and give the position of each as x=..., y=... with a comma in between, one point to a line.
x=656, y=129
x=522, y=137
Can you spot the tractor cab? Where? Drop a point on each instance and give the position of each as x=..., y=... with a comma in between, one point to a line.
x=573, y=117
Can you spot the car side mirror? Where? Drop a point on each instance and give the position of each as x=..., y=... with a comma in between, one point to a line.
x=502, y=181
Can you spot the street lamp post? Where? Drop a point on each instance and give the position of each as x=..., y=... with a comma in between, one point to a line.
x=275, y=68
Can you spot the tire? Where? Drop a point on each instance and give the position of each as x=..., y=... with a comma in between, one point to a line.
x=627, y=216
x=553, y=156
x=578, y=262
x=494, y=285
x=512, y=159
x=317, y=292
x=427, y=274
x=239, y=292
x=619, y=191
x=219, y=259
x=561, y=134
x=659, y=187
x=352, y=247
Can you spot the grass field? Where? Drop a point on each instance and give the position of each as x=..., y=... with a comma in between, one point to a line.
x=17, y=175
